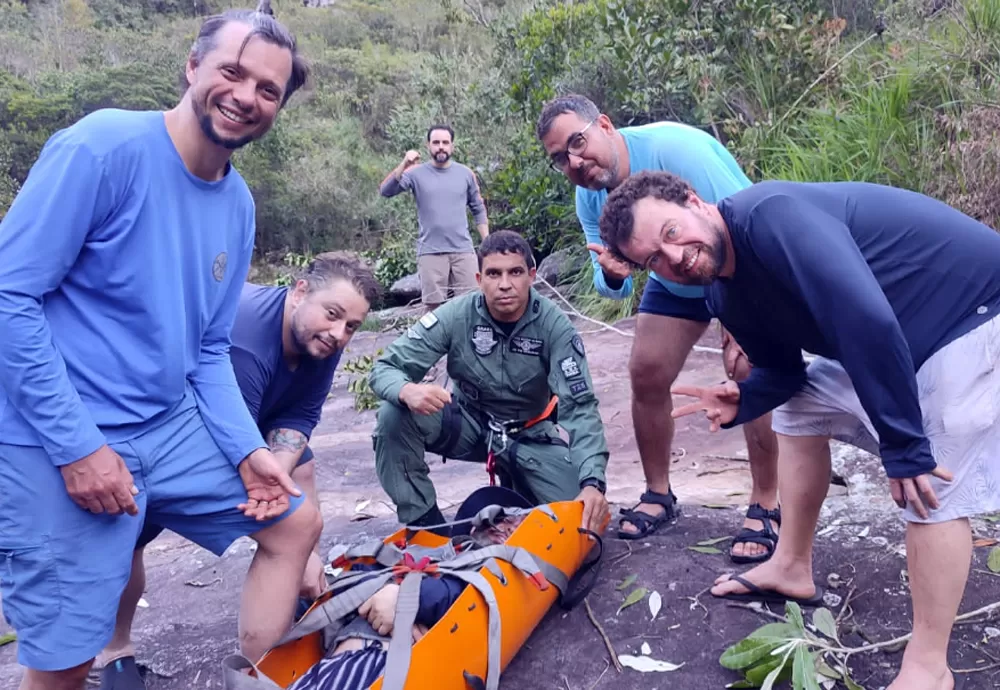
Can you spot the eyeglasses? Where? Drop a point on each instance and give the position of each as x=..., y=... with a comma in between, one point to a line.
x=576, y=146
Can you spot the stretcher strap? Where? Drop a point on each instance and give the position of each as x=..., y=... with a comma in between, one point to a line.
x=397, y=661
x=331, y=611
x=494, y=630
x=234, y=678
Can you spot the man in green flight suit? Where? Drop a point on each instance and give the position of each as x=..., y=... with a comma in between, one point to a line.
x=509, y=350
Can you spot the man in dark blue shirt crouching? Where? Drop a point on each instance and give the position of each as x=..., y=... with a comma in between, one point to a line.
x=898, y=294
x=286, y=343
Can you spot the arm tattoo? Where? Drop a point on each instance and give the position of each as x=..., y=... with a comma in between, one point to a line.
x=286, y=439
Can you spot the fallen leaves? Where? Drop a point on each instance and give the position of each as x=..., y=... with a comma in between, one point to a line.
x=646, y=664
x=627, y=582
x=634, y=597
x=655, y=602
x=704, y=549
x=984, y=541
x=993, y=561
x=8, y=638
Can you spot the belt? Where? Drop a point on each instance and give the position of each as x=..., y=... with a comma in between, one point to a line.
x=502, y=430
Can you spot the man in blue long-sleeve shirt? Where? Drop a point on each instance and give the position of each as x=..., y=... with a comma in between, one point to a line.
x=123, y=259
x=898, y=294
x=596, y=157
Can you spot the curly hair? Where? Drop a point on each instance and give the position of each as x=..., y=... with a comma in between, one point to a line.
x=616, y=221
x=327, y=267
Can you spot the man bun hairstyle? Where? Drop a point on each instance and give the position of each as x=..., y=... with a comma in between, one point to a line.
x=329, y=267
x=617, y=221
x=505, y=242
x=582, y=106
x=263, y=25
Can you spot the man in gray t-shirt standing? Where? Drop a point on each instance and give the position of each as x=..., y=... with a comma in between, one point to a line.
x=443, y=189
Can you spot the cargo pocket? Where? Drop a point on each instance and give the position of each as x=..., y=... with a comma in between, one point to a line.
x=29, y=586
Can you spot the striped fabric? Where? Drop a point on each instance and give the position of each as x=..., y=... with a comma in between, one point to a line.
x=354, y=670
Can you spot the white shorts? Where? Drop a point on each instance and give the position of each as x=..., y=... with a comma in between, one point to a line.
x=959, y=391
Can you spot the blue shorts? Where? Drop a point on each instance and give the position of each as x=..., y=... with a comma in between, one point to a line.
x=151, y=531
x=63, y=569
x=657, y=299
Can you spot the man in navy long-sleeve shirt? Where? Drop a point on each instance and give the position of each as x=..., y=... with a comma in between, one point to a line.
x=898, y=295
x=123, y=259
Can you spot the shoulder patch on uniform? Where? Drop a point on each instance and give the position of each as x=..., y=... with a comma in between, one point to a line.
x=570, y=368
x=484, y=340
x=578, y=345
x=578, y=387
x=526, y=346
x=428, y=320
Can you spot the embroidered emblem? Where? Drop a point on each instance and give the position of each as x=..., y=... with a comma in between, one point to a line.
x=412, y=334
x=470, y=391
x=578, y=346
x=570, y=368
x=578, y=387
x=536, y=306
x=428, y=320
x=484, y=340
x=219, y=266
x=526, y=346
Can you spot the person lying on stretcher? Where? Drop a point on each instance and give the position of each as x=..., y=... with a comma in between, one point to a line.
x=357, y=655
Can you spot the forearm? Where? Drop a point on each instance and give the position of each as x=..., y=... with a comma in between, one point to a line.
x=387, y=381
x=608, y=289
x=483, y=229
x=588, y=448
x=33, y=375
x=222, y=407
x=390, y=185
x=764, y=390
x=287, y=445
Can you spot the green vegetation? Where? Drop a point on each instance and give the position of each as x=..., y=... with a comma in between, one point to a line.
x=899, y=92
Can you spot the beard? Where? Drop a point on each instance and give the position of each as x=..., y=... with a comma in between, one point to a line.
x=442, y=156
x=205, y=122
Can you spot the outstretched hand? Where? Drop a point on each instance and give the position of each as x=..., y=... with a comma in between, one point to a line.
x=611, y=265
x=720, y=403
x=268, y=485
x=916, y=490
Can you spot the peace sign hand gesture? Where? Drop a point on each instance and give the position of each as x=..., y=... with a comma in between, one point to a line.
x=720, y=403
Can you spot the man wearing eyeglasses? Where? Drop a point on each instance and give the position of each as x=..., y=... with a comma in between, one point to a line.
x=583, y=144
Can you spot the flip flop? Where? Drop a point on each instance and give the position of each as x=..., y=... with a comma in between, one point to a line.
x=768, y=596
x=122, y=674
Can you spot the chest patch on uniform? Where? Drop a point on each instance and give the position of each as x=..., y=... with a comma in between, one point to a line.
x=578, y=346
x=570, y=368
x=219, y=266
x=428, y=320
x=484, y=340
x=578, y=387
x=471, y=392
x=526, y=346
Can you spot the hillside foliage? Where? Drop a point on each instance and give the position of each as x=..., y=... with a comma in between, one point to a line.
x=902, y=93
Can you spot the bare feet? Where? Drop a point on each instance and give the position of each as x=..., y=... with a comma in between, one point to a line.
x=912, y=678
x=795, y=582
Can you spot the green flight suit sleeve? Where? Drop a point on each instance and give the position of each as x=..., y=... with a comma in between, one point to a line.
x=412, y=354
x=569, y=378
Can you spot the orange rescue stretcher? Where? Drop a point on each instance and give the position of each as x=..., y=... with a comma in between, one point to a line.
x=544, y=560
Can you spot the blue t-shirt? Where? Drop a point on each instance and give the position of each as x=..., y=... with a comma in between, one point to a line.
x=119, y=283
x=278, y=398
x=874, y=277
x=691, y=154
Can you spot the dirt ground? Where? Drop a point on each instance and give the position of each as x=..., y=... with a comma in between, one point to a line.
x=189, y=623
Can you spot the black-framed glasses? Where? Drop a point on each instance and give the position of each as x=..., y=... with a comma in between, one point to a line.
x=577, y=145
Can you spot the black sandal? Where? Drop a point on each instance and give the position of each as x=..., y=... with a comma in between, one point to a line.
x=766, y=537
x=645, y=523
